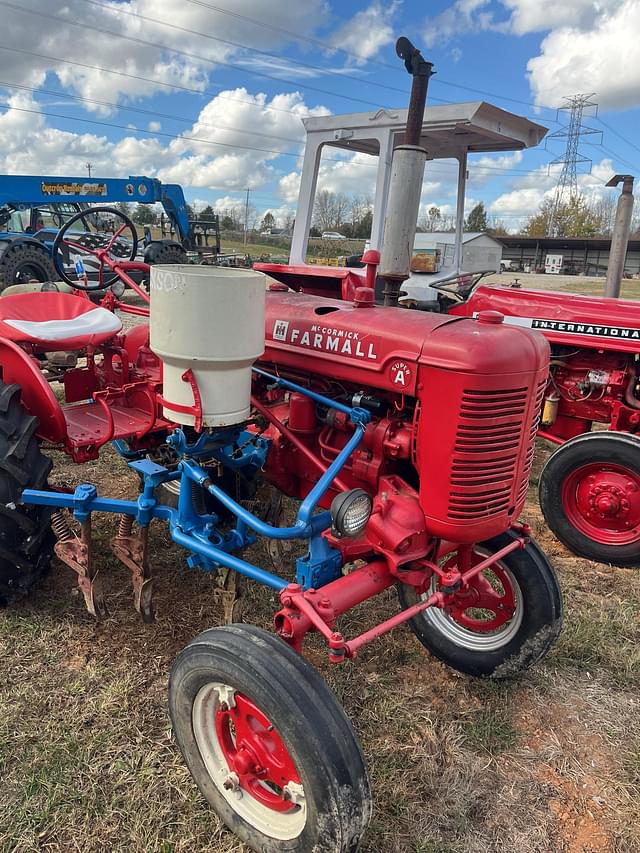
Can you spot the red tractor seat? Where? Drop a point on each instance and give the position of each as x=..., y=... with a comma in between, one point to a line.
x=56, y=321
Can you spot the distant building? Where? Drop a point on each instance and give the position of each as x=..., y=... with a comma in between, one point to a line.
x=480, y=251
x=580, y=255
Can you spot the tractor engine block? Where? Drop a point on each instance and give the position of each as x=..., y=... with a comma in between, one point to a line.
x=454, y=403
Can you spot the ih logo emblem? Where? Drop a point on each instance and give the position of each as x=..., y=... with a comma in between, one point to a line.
x=400, y=373
x=280, y=329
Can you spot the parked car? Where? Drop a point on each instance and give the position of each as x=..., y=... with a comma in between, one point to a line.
x=332, y=235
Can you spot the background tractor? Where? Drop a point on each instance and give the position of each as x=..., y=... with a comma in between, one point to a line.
x=34, y=208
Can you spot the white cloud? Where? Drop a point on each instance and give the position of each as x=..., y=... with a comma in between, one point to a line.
x=605, y=58
x=591, y=44
x=31, y=146
x=289, y=186
x=45, y=37
x=528, y=16
x=154, y=126
x=367, y=31
x=464, y=16
x=529, y=191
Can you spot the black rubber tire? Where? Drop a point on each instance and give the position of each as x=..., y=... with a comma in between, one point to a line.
x=619, y=448
x=165, y=252
x=541, y=618
x=26, y=538
x=28, y=260
x=308, y=718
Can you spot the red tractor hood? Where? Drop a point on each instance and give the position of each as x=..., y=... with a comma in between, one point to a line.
x=564, y=318
x=382, y=347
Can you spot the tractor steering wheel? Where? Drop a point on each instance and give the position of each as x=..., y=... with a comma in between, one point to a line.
x=460, y=285
x=96, y=243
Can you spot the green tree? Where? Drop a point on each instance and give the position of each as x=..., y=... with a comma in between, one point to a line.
x=227, y=223
x=477, y=219
x=144, y=214
x=573, y=218
x=208, y=213
x=268, y=221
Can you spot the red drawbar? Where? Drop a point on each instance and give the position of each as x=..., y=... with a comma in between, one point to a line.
x=56, y=321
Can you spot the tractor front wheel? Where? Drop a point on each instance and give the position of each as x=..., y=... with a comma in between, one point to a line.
x=26, y=538
x=502, y=622
x=590, y=497
x=268, y=744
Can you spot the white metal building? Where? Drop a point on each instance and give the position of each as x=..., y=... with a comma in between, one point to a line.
x=480, y=251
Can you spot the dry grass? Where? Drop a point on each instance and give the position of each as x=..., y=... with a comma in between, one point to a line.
x=548, y=763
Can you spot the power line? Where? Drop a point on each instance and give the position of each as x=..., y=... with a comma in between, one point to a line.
x=296, y=36
x=619, y=135
x=176, y=86
x=613, y=154
x=153, y=113
x=204, y=141
x=360, y=57
x=162, y=133
x=242, y=46
x=250, y=71
x=240, y=68
x=301, y=64
x=187, y=54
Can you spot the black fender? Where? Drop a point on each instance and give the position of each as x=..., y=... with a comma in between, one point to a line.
x=8, y=241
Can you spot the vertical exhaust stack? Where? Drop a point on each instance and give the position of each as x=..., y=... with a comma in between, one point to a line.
x=407, y=172
x=620, y=236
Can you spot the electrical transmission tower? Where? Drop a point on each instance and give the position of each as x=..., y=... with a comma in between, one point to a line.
x=567, y=186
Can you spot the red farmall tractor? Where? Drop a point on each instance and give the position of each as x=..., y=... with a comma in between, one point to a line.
x=590, y=487
x=407, y=439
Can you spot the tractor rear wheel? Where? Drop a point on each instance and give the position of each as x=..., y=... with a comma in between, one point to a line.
x=26, y=538
x=23, y=262
x=268, y=744
x=160, y=252
x=590, y=497
x=504, y=621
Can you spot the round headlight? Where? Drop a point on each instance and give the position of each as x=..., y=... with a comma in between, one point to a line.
x=350, y=512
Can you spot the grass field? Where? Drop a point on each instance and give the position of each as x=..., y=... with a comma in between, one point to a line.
x=547, y=764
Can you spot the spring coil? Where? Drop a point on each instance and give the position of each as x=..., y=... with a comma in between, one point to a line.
x=60, y=526
x=125, y=526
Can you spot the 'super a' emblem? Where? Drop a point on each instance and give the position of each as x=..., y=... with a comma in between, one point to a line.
x=280, y=329
x=400, y=373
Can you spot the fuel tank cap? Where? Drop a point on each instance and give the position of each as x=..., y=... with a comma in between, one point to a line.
x=494, y=317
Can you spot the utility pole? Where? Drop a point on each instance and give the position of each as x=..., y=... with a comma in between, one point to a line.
x=89, y=168
x=567, y=186
x=246, y=216
x=620, y=235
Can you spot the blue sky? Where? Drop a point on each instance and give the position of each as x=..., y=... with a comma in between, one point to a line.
x=210, y=93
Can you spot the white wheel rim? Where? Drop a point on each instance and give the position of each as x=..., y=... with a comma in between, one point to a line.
x=283, y=826
x=474, y=641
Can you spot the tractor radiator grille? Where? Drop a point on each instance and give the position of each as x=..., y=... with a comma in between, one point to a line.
x=531, y=445
x=486, y=454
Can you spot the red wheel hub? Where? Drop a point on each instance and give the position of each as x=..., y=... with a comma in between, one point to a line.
x=255, y=753
x=491, y=592
x=602, y=501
